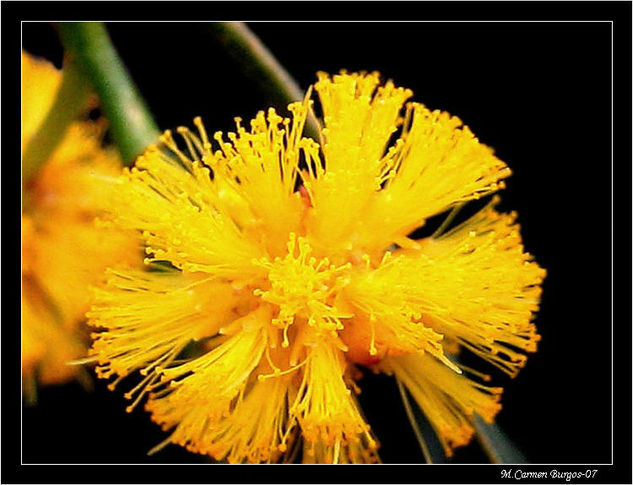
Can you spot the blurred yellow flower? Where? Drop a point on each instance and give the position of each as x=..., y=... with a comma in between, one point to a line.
x=63, y=253
x=286, y=290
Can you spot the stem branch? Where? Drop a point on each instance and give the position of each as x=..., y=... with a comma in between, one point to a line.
x=132, y=125
x=261, y=65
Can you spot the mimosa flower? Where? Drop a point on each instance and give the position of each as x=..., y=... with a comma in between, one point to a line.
x=63, y=253
x=288, y=265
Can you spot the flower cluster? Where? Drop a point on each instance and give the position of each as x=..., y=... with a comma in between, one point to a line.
x=63, y=253
x=278, y=266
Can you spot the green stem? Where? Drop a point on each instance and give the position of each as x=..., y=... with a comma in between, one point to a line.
x=261, y=65
x=496, y=444
x=414, y=424
x=29, y=390
x=132, y=125
x=67, y=107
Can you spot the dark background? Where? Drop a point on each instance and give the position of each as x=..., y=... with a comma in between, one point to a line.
x=539, y=93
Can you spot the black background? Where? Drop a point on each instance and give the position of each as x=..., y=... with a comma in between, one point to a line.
x=538, y=92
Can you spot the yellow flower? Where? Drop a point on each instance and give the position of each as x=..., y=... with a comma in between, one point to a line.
x=63, y=253
x=278, y=266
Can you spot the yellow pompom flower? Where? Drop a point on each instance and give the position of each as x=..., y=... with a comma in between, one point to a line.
x=63, y=253
x=278, y=266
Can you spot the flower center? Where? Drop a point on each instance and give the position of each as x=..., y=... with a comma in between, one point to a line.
x=303, y=286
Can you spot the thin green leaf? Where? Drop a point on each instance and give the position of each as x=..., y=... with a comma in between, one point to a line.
x=132, y=125
x=499, y=448
x=29, y=391
x=258, y=62
x=430, y=446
